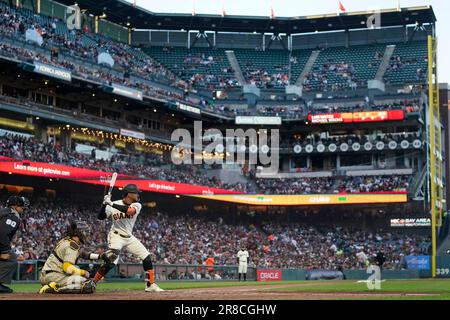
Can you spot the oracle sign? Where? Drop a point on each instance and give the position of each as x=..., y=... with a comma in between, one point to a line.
x=268, y=275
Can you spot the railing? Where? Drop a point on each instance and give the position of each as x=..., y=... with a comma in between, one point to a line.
x=183, y=272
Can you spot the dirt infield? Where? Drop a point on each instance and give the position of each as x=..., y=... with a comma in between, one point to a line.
x=226, y=293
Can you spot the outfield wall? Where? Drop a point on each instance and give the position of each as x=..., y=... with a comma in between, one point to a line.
x=29, y=271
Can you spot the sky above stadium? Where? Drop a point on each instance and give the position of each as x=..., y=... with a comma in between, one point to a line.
x=286, y=8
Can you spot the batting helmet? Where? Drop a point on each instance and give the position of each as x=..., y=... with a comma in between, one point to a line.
x=78, y=229
x=130, y=188
x=18, y=201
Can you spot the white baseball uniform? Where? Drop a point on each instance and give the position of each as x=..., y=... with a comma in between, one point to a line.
x=121, y=237
x=243, y=256
x=362, y=258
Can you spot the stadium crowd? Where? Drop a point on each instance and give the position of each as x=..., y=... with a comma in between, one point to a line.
x=191, y=239
x=87, y=47
x=355, y=184
x=208, y=78
x=263, y=78
x=108, y=78
x=345, y=72
x=398, y=62
x=406, y=105
x=294, y=186
x=375, y=184
x=81, y=43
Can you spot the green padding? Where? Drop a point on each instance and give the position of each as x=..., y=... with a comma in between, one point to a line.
x=300, y=274
x=293, y=274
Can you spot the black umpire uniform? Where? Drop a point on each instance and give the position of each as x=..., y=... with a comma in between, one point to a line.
x=9, y=224
x=380, y=259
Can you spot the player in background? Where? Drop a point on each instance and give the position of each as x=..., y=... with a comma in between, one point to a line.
x=380, y=259
x=363, y=261
x=9, y=224
x=243, y=260
x=60, y=273
x=123, y=214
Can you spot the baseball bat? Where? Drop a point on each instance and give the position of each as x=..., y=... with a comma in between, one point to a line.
x=112, y=182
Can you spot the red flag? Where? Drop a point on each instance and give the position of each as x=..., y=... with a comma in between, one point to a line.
x=341, y=7
x=272, y=13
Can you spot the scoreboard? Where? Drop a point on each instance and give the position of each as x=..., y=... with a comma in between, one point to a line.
x=353, y=117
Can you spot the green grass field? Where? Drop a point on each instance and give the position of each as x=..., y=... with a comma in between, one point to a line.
x=390, y=289
x=439, y=288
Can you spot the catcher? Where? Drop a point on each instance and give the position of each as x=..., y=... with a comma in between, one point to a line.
x=60, y=273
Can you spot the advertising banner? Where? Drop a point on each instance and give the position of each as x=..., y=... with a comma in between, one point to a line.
x=258, y=120
x=366, y=116
x=418, y=262
x=268, y=275
x=411, y=222
x=127, y=92
x=309, y=200
x=52, y=71
x=188, y=108
x=331, y=118
x=48, y=170
x=324, y=275
x=40, y=169
x=132, y=134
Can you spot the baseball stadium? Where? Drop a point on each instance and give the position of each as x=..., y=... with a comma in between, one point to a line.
x=198, y=156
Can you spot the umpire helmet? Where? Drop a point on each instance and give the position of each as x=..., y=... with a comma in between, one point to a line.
x=18, y=201
x=78, y=229
x=130, y=188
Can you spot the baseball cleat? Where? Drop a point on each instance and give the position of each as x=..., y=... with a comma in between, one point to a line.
x=153, y=288
x=52, y=287
x=44, y=289
x=5, y=289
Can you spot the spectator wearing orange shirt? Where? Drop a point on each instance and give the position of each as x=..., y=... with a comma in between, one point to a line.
x=209, y=262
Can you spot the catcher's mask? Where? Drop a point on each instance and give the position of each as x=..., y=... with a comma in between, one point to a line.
x=18, y=201
x=78, y=229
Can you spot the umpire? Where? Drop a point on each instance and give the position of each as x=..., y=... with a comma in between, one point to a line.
x=380, y=259
x=9, y=223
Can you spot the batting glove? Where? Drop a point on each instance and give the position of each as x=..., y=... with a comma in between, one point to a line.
x=107, y=200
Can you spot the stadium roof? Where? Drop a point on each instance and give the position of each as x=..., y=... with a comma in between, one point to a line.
x=122, y=12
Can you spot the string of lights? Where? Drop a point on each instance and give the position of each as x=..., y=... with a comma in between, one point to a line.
x=100, y=135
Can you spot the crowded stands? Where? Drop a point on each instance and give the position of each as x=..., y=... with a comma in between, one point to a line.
x=375, y=184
